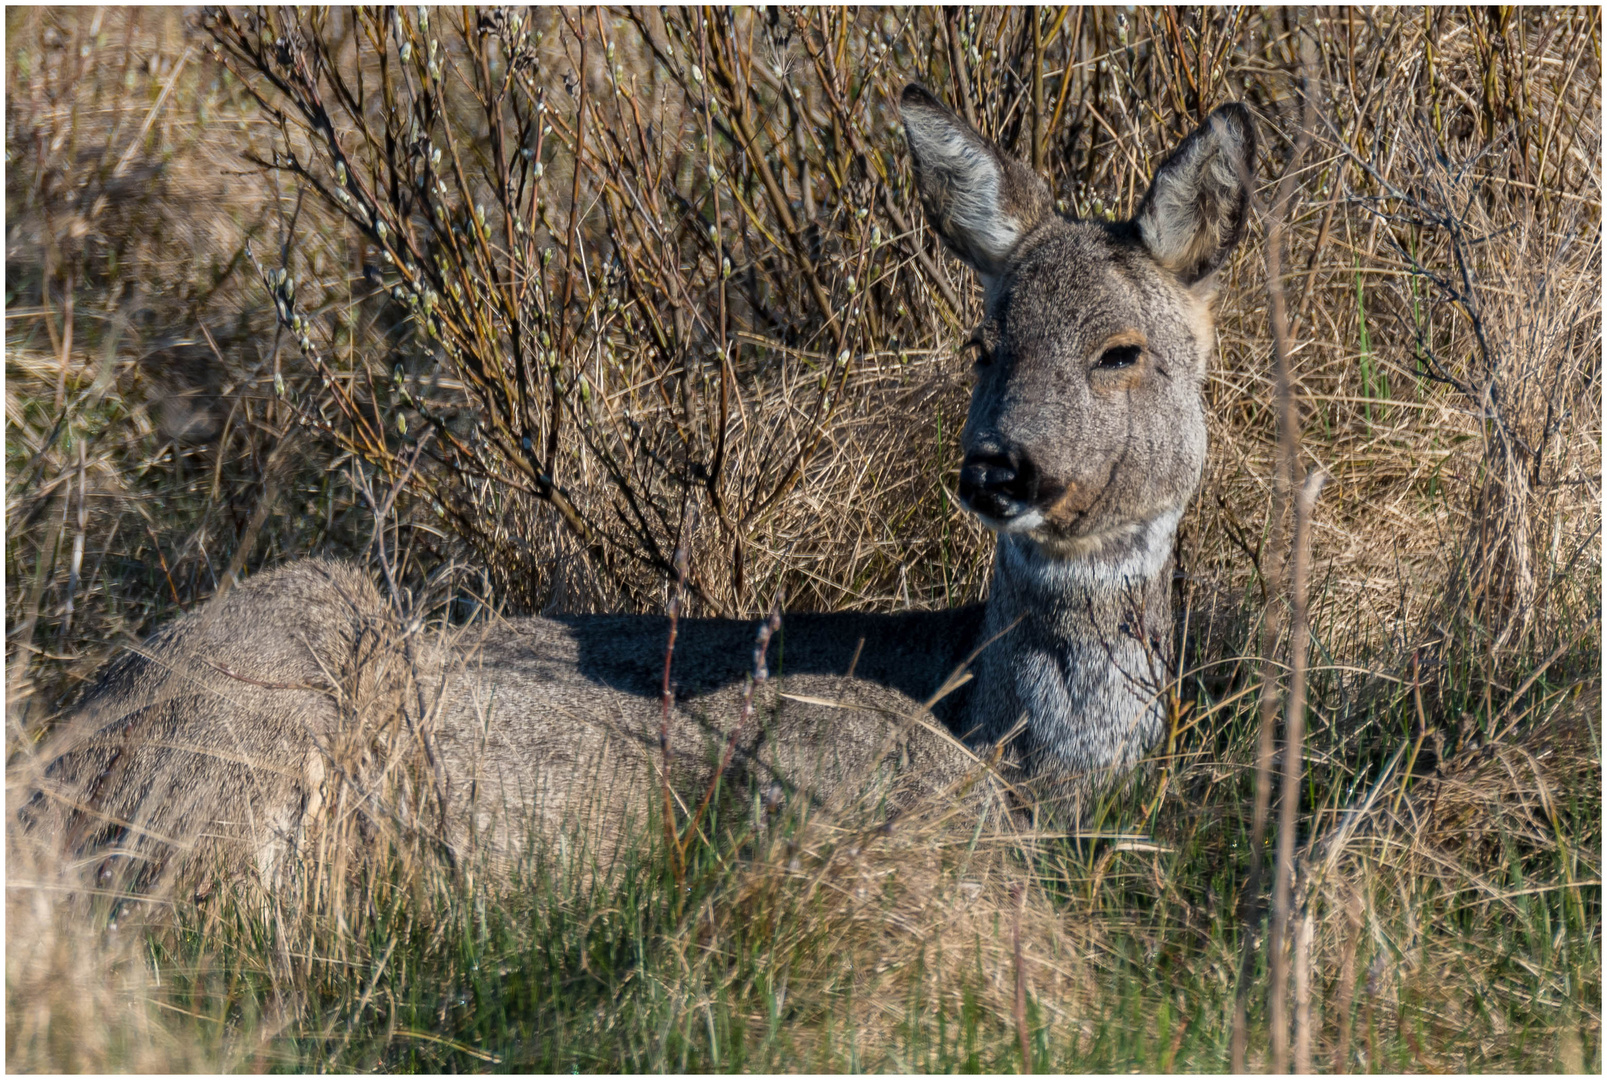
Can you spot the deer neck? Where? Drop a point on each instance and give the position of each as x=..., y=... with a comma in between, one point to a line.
x=1080, y=653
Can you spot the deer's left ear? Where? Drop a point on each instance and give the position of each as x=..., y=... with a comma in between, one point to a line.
x=1198, y=204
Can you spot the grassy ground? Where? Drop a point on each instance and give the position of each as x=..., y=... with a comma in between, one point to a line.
x=165, y=435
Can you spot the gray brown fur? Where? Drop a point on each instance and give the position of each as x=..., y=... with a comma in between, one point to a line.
x=1085, y=442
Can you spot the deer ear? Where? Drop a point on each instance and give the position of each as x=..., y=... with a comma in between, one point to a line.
x=1198, y=204
x=981, y=201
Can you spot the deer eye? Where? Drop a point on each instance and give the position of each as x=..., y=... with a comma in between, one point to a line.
x=1120, y=356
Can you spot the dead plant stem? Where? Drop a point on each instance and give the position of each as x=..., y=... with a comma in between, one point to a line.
x=1020, y=897
x=667, y=701
x=1294, y=728
x=1288, y=454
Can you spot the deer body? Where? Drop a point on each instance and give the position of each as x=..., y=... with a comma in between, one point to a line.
x=1084, y=443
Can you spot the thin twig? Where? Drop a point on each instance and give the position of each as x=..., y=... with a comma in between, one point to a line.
x=1303, y=941
x=1347, y=979
x=667, y=700
x=1288, y=451
x=235, y=675
x=1293, y=741
x=754, y=682
x=1019, y=896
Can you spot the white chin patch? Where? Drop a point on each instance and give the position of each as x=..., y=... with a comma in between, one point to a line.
x=1032, y=519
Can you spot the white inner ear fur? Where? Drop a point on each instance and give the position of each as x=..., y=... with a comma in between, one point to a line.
x=972, y=208
x=1188, y=215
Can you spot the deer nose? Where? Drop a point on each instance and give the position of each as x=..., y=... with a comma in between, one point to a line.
x=1000, y=484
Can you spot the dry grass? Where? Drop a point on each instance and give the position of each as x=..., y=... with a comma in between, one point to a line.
x=165, y=431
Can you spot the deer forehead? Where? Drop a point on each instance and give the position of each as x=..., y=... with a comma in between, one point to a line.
x=1077, y=287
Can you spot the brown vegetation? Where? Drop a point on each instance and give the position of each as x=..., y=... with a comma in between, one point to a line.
x=705, y=312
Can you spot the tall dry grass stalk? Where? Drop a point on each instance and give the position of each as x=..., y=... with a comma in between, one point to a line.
x=668, y=268
x=1289, y=823
x=1289, y=431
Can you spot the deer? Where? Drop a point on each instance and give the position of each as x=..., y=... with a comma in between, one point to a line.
x=1084, y=443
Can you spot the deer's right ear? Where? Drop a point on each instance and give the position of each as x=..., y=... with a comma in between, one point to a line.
x=981, y=201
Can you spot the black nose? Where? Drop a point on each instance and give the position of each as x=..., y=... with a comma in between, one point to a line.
x=999, y=484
